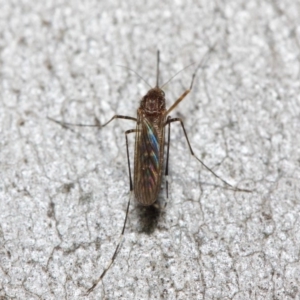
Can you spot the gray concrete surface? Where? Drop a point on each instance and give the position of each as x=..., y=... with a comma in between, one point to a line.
x=63, y=193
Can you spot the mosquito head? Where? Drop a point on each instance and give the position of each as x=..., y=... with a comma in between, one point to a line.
x=154, y=101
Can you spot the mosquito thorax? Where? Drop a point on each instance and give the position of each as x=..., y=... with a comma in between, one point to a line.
x=154, y=101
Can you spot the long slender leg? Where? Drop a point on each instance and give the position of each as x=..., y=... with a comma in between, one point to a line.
x=201, y=162
x=115, y=252
x=167, y=159
x=128, y=158
x=120, y=117
x=92, y=125
x=191, y=86
x=125, y=220
x=182, y=96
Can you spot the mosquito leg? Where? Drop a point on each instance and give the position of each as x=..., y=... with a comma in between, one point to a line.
x=201, y=162
x=119, y=117
x=64, y=124
x=126, y=216
x=115, y=252
x=204, y=59
x=167, y=159
x=182, y=96
x=128, y=158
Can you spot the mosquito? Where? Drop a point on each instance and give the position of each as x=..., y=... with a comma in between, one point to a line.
x=151, y=121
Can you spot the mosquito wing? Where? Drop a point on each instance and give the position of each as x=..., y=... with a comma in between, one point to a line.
x=148, y=158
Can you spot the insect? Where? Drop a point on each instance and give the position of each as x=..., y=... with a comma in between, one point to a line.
x=151, y=121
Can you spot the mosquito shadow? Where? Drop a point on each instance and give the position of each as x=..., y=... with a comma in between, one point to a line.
x=148, y=217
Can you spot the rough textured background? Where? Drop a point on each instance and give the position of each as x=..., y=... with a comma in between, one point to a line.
x=63, y=193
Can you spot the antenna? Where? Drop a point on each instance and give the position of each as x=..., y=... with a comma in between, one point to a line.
x=136, y=73
x=157, y=70
x=176, y=75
